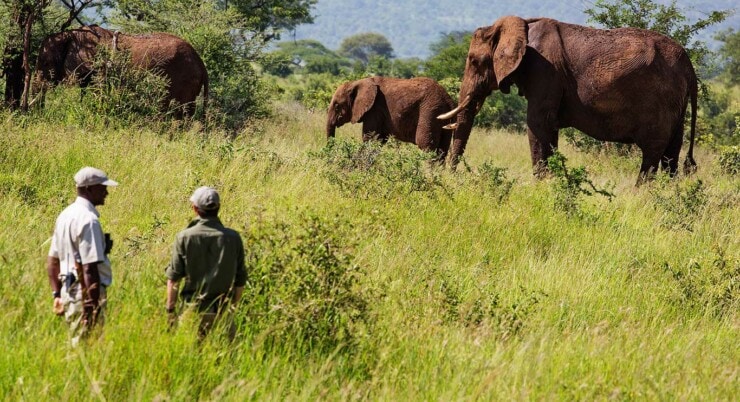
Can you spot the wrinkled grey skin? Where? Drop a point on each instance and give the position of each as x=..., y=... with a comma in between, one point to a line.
x=406, y=109
x=69, y=55
x=624, y=85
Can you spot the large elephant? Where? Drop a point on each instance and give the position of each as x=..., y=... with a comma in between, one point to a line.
x=403, y=108
x=70, y=54
x=625, y=85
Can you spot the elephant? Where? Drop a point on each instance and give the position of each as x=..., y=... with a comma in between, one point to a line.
x=624, y=85
x=69, y=55
x=403, y=108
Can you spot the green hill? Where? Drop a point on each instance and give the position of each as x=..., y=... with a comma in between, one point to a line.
x=413, y=24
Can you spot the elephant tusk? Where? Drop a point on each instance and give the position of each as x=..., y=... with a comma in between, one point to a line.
x=452, y=113
x=450, y=126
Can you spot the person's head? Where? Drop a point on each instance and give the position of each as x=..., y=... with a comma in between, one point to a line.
x=92, y=185
x=205, y=202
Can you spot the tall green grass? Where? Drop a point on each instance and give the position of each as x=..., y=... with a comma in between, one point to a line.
x=473, y=285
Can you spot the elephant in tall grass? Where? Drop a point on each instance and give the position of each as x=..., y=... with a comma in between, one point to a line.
x=69, y=55
x=403, y=108
x=625, y=85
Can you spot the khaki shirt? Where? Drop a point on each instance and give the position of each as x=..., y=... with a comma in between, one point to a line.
x=211, y=259
x=79, y=236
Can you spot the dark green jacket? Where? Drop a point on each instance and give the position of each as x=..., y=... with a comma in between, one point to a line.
x=211, y=259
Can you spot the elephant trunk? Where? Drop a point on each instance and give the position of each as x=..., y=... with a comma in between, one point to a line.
x=462, y=127
x=331, y=128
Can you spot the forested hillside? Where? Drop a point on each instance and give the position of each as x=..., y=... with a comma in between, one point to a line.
x=412, y=25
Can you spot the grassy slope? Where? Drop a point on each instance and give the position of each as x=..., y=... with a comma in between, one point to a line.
x=598, y=314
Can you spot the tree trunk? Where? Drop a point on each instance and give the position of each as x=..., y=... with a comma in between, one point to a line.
x=13, y=73
x=30, y=13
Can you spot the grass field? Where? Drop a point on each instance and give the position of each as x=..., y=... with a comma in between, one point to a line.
x=451, y=286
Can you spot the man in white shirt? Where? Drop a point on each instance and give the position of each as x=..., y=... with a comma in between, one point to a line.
x=78, y=266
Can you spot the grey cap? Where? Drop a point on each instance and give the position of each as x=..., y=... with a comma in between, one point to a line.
x=206, y=198
x=90, y=176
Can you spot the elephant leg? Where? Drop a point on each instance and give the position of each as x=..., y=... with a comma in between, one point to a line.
x=445, y=139
x=650, y=162
x=428, y=138
x=189, y=109
x=542, y=144
x=669, y=161
x=542, y=131
x=372, y=129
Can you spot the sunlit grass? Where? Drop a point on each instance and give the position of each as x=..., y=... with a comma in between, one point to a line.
x=474, y=298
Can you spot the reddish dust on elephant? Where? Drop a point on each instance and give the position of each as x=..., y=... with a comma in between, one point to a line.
x=405, y=109
x=624, y=85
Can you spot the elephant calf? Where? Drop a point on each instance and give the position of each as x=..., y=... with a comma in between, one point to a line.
x=406, y=109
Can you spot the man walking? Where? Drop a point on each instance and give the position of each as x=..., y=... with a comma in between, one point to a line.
x=77, y=265
x=211, y=259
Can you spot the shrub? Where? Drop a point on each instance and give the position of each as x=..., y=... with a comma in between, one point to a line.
x=124, y=91
x=569, y=185
x=493, y=182
x=729, y=159
x=487, y=308
x=713, y=287
x=304, y=289
x=681, y=204
x=371, y=169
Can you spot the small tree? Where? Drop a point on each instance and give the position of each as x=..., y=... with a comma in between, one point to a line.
x=364, y=46
x=19, y=40
x=305, y=55
x=448, y=56
x=730, y=54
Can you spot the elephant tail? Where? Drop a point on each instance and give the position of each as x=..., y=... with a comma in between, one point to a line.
x=689, y=165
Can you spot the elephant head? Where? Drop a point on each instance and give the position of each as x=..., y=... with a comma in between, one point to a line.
x=350, y=103
x=494, y=55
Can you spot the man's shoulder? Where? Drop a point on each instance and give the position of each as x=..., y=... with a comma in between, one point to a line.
x=78, y=211
x=231, y=232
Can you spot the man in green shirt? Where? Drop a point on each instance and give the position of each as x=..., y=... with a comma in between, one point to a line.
x=210, y=257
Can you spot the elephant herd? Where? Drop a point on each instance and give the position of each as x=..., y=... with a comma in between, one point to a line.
x=623, y=85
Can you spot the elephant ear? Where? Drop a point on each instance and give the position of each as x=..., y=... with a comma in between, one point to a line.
x=364, y=98
x=509, y=44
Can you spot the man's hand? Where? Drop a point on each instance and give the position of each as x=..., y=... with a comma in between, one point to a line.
x=58, y=306
x=171, y=318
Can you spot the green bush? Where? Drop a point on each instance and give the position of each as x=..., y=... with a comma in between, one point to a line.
x=493, y=182
x=712, y=287
x=729, y=159
x=123, y=91
x=373, y=170
x=681, y=203
x=118, y=96
x=304, y=288
x=485, y=307
x=569, y=185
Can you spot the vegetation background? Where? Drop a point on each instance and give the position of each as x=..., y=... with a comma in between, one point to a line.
x=372, y=275
x=412, y=25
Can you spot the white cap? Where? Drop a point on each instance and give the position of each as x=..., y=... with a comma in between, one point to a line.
x=206, y=198
x=89, y=176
